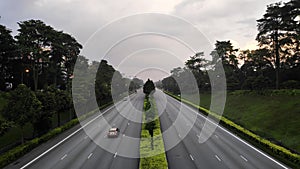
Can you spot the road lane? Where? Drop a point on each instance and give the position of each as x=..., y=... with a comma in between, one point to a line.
x=80, y=151
x=222, y=150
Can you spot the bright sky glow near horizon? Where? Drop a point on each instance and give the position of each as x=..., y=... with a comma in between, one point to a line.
x=233, y=20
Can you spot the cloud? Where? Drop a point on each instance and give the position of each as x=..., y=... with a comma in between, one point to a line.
x=217, y=19
x=224, y=20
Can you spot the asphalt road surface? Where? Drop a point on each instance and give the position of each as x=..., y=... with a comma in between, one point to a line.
x=223, y=150
x=75, y=149
x=81, y=151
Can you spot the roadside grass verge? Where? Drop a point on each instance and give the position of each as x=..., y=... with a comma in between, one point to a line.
x=152, y=158
x=274, y=114
x=281, y=153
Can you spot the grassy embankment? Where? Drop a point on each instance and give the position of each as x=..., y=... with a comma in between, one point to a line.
x=152, y=158
x=274, y=115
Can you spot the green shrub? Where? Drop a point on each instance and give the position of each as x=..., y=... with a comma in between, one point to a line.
x=290, y=84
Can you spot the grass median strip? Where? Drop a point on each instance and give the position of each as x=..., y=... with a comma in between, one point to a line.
x=152, y=151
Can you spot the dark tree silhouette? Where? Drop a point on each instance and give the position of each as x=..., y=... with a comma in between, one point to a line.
x=148, y=87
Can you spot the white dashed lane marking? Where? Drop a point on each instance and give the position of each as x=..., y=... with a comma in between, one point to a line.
x=90, y=156
x=192, y=157
x=243, y=158
x=63, y=157
x=217, y=157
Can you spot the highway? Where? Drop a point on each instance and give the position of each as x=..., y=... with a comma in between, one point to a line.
x=80, y=151
x=74, y=149
x=223, y=150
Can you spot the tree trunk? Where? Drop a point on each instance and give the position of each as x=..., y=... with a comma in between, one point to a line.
x=35, y=77
x=152, y=147
x=277, y=59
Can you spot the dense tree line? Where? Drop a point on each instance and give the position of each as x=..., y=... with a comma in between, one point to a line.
x=276, y=64
x=36, y=65
x=37, y=69
x=37, y=56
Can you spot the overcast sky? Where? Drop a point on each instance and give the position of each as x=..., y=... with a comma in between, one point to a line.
x=233, y=20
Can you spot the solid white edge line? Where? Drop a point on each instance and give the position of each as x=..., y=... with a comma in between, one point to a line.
x=234, y=135
x=57, y=144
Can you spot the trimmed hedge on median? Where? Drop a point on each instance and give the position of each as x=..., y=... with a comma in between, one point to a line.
x=274, y=148
x=17, y=152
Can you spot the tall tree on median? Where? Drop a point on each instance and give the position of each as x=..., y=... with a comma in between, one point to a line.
x=22, y=107
x=148, y=87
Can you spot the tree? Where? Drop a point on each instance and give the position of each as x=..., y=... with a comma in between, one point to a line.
x=198, y=65
x=196, y=62
x=169, y=84
x=63, y=103
x=104, y=77
x=148, y=87
x=34, y=45
x=225, y=53
x=50, y=55
x=64, y=53
x=7, y=52
x=135, y=84
x=270, y=29
x=4, y=126
x=150, y=119
x=22, y=107
x=151, y=126
x=42, y=120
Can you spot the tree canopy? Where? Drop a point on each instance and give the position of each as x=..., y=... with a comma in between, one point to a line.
x=148, y=87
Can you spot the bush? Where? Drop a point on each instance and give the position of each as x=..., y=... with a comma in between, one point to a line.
x=290, y=84
x=261, y=83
